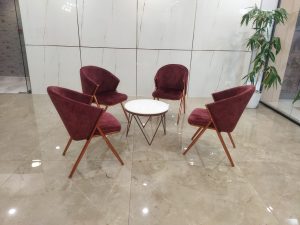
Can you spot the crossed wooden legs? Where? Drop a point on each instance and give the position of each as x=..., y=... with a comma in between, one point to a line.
x=199, y=133
x=111, y=147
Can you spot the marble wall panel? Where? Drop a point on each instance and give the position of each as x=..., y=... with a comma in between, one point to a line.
x=216, y=70
x=107, y=23
x=166, y=24
x=49, y=22
x=218, y=24
x=57, y=66
x=134, y=38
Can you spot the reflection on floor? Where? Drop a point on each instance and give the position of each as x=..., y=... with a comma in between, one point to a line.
x=157, y=184
x=287, y=107
x=12, y=84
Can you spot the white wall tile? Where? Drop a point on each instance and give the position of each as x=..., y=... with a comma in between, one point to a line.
x=149, y=61
x=120, y=62
x=107, y=23
x=33, y=14
x=57, y=66
x=166, y=24
x=218, y=24
x=49, y=22
x=216, y=70
x=161, y=25
x=269, y=4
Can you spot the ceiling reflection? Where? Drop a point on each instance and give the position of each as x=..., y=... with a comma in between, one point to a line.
x=12, y=211
x=68, y=6
x=270, y=209
x=145, y=211
x=292, y=221
x=36, y=163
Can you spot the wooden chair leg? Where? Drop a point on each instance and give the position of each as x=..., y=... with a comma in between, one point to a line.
x=184, y=104
x=110, y=146
x=67, y=146
x=196, y=138
x=179, y=112
x=96, y=101
x=197, y=132
x=125, y=112
x=80, y=156
x=225, y=148
x=231, y=139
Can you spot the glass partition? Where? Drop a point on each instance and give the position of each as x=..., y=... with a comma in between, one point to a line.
x=281, y=99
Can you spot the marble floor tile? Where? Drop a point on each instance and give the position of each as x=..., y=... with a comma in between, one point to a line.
x=157, y=184
x=171, y=192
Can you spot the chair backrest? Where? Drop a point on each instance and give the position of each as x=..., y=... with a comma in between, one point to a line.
x=229, y=106
x=172, y=76
x=91, y=76
x=78, y=116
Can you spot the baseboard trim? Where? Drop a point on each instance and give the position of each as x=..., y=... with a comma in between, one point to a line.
x=281, y=113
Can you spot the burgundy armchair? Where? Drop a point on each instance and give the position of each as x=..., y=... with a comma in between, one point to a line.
x=83, y=121
x=171, y=83
x=102, y=85
x=222, y=115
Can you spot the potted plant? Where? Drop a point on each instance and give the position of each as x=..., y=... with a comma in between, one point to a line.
x=264, y=48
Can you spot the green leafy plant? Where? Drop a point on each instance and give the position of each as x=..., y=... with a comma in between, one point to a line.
x=263, y=46
x=297, y=97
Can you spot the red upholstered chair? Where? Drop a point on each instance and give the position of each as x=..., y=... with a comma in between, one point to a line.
x=102, y=85
x=83, y=121
x=222, y=115
x=171, y=83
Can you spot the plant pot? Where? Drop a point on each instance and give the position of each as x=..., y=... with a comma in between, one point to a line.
x=253, y=103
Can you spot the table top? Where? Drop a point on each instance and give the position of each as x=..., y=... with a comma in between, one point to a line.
x=146, y=107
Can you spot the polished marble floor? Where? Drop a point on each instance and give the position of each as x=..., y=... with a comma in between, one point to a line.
x=157, y=185
x=287, y=107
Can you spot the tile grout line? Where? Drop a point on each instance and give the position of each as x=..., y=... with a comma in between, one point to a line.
x=191, y=58
x=78, y=33
x=13, y=172
x=129, y=202
x=137, y=48
x=85, y=196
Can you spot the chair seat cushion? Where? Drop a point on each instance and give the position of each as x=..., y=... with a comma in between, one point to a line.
x=108, y=123
x=167, y=94
x=111, y=98
x=200, y=117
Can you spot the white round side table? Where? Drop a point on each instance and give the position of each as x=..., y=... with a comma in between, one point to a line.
x=147, y=108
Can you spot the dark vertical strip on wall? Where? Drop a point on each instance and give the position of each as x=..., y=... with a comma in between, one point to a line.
x=78, y=33
x=191, y=58
x=136, y=46
x=22, y=45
